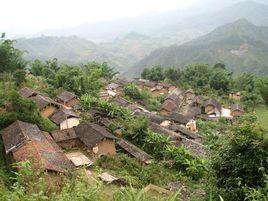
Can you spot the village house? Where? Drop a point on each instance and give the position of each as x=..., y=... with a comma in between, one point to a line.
x=212, y=107
x=67, y=99
x=168, y=107
x=235, y=96
x=237, y=110
x=65, y=118
x=96, y=138
x=167, y=86
x=66, y=138
x=24, y=141
x=189, y=94
x=26, y=92
x=172, y=102
x=158, y=91
x=46, y=105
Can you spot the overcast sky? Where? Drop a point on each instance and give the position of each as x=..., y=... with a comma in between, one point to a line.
x=28, y=16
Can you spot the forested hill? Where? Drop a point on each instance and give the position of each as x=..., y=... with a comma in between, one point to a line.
x=242, y=46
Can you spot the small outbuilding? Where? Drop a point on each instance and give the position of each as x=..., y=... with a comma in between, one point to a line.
x=65, y=118
x=67, y=99
x=212, y=107
x=237, y=110
x=96, y=138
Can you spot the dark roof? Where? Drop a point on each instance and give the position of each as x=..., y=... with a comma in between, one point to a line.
x=214, y=103
x=26, y=142
x=236, y=106
x=179, y=118
x=176, y=95
x=43, y=101
x=134, y=151
x=66, y=96
x=45, y=155
x=90, y=134
x=62, y=114
x=193, y=111
x=165, y=132
x=18, y=134
x=121, y=101
x=195, y=147
x=153, y=117
x=27, y=92
x=169, y=106
x=184, y=131
x=63, y=135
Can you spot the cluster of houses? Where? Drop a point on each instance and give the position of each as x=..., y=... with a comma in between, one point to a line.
x=175, y=119
x=25, y=141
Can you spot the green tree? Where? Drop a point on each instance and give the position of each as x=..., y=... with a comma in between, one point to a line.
x=19, y=77
x=10, y=57
x=241, y=160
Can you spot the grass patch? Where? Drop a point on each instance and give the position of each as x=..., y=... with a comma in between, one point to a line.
x=262, y=113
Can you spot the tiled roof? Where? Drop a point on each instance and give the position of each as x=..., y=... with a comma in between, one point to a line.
x=66, y=96
x=62, y=114
x=90, y=134
x=27, y=92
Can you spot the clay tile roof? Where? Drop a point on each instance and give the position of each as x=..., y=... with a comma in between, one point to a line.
x=179, y=118
x=27, y=92
x=169, y=106
x=62, y=114
x=236, y=107
x=63, y=135
x=66, y=96
x=214, y=103
x=175, y=95
x=27, y=142
x=44, y=156
x=134, y=151
x=43, y=101
x=90, y=134
x=18, y=134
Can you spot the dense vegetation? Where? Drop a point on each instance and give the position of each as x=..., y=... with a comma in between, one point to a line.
x=241, y=45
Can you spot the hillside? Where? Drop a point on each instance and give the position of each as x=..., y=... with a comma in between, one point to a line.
x=241, y=45
x=122, y=48
x=120, y=53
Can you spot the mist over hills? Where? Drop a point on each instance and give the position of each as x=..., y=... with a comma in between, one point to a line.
x=123, y=43
x=242, y=46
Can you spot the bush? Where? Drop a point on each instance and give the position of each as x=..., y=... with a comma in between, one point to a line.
x=231, y=161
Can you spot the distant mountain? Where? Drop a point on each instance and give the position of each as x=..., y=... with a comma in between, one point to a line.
x=120, y=53
x=122, y=43
x=242, y=46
